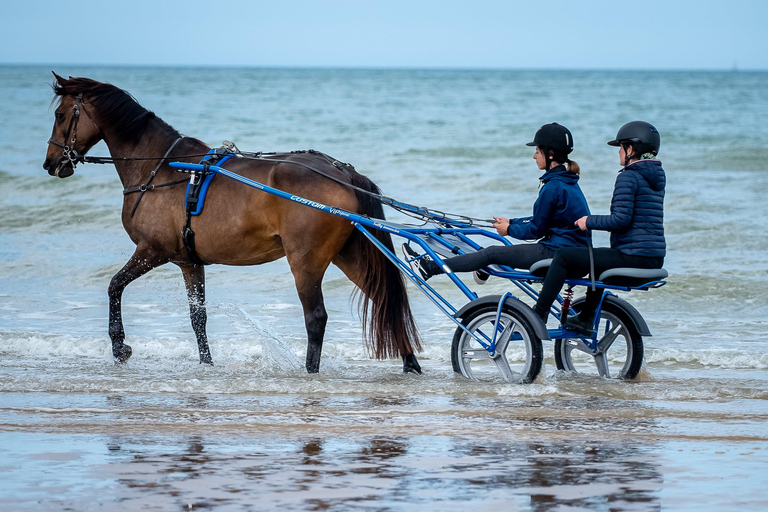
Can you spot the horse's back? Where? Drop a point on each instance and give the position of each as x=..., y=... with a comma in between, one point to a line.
x=241, y=225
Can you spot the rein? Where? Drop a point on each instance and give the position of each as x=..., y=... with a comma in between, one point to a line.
x=420, y=212
x=410, y=210
x=72, y=157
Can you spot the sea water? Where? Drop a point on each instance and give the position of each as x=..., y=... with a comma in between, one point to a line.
x=255, y=430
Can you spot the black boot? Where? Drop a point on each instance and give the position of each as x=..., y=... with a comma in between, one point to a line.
x=544, y=315
x=424, y=265
x=585, y=327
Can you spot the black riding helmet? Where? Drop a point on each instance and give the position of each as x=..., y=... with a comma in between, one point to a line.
x=556, y=137
x=644, y=137
x=553, y=136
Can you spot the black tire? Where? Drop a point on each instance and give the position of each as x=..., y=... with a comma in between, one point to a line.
x=626, y=349
x=472, y=361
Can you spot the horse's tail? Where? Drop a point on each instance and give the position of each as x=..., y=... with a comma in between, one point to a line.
x=389, y=330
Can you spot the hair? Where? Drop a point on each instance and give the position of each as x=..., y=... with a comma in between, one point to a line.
x=125, y=113
x=562, y=156
x=640, y=150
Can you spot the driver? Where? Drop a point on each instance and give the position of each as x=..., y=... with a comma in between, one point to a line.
x=636, y=224
x=559, y=204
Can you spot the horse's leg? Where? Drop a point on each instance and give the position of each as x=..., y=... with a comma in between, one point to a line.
x=309, y=286
x=194, y=278
x=315, y=318
x=137, y=266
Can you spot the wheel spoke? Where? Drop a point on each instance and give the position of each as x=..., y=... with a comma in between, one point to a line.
x=610, y=336
x=601, y=361
x=503, y=365
x=504, y=337
x=475, y=353
x=577, y=344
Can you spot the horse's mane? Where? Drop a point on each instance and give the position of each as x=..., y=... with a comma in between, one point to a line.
x=113, y=105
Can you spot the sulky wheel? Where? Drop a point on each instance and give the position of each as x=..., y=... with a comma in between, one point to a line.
x=518, y=355
x=620, y=348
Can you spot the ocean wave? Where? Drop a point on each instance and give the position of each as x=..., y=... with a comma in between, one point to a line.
x=468, y=152
x=727, y=359
x=284, y=353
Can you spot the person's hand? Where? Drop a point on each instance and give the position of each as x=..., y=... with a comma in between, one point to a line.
x=582, y=223
x=501, y=224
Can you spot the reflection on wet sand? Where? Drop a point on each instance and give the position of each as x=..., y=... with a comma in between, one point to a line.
x=431, y=451
x=384, y=472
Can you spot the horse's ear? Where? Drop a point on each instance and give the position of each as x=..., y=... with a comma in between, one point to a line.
x=58, y=78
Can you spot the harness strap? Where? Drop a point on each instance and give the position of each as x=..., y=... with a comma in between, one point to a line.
x=188, y=239
x=145, y=186
x=195, y=194
x=142, y=188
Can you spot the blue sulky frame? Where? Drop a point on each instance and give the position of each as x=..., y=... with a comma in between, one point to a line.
x=452, y=236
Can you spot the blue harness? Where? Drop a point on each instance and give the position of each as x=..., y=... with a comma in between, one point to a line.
x=194, y=199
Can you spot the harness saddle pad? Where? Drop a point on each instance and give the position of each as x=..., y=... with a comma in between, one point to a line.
x=195, y=196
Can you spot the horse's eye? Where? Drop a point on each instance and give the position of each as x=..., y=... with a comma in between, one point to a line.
x=59, y=116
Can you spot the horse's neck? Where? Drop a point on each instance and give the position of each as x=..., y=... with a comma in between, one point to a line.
x=152, y=146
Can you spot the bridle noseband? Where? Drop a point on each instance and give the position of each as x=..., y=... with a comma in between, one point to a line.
x=70, y=155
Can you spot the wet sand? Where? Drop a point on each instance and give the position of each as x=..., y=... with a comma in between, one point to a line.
x=347, y=451
x=377, y=472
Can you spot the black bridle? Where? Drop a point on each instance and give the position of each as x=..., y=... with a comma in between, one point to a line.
x=70, y=154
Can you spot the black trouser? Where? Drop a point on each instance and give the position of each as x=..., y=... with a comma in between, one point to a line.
x=573, y=263
x=515, y=256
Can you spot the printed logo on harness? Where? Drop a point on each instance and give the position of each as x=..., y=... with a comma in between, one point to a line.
x=339, y=212
x=307, y=202
x=379, y=225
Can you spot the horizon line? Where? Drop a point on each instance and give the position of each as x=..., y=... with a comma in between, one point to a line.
x=377, y=68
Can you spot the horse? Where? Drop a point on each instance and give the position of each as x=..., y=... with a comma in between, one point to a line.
x=239, y=225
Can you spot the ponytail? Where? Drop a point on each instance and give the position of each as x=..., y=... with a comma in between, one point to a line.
x=561, y=156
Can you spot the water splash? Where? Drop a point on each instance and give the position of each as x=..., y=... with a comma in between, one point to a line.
x=275, y=351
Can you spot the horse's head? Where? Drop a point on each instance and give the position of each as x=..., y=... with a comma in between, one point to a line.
x=74, y=130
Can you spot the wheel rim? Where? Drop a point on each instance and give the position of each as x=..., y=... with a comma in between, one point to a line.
x=513, y=349
x=614, y=355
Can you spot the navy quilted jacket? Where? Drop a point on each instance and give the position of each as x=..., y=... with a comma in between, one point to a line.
x=636, y=221
x=559, y=204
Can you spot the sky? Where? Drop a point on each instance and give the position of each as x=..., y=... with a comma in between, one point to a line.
x=507, y=34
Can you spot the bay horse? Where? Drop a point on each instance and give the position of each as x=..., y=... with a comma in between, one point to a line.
x=238, y=226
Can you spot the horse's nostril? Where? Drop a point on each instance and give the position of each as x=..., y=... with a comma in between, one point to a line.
x=46, y=165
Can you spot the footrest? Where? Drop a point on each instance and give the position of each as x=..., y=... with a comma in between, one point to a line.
x=632, y=276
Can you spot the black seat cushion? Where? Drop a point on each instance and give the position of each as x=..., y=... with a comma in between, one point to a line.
x=632, y=276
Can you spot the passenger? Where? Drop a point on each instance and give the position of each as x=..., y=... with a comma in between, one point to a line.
x=635, y=222
x=559, y=204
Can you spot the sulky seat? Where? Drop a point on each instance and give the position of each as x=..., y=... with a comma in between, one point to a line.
x=629, y=277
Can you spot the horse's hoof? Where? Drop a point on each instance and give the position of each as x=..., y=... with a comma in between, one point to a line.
x=206, y=360
x=123, y=353
x=411, y=365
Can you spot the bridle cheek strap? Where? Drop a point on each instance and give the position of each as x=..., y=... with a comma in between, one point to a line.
x=70, y=155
